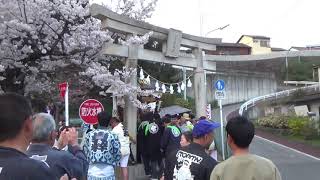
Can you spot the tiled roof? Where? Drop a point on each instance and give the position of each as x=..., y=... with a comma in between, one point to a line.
x=277, y=49
x=233, y=45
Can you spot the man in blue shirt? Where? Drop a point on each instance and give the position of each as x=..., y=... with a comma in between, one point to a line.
x=102, y=148
x=73, y=163
x=170, y=141
x=16, y=124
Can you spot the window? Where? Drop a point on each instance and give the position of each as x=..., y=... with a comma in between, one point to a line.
x=255, y=41
x=264, y=43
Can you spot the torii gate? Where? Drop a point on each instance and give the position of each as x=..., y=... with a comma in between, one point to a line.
x=172, y=40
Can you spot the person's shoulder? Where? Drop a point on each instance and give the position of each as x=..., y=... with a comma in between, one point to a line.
x=31, y=165
x=220, y=167
x=42, y=170
x=61, y=154
x=209, y=162
x=28, y=162
x=263, y=160
x=166, y=130
x=117, y=129
x=98, y=131
x=173, y=153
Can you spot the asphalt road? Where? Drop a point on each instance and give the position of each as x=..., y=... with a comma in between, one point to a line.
x=291, y=164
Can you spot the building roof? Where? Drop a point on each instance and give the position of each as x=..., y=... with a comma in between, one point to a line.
x=277, y=49
x=233, y=45
x=254, y=37
x=305, y=48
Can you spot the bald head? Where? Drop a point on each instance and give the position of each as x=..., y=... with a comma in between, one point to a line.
x=43, y=126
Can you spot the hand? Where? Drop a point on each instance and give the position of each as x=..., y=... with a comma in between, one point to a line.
x=72, y=137
x=63, y=139
x=65, y=177
x=132, y=140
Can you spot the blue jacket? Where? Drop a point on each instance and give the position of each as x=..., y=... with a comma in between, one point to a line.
x=171, y=139
x=102, y=146
x=15, y=165
x=72, y=162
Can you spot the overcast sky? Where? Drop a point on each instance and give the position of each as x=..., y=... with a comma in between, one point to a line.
x=287, y=22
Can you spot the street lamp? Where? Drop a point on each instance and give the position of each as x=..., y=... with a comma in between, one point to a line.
x=220, y=28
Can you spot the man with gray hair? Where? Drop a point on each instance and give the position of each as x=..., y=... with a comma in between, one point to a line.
x=72, y=163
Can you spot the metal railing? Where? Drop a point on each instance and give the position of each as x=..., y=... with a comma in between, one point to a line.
x=252, y=102
x=305, y=83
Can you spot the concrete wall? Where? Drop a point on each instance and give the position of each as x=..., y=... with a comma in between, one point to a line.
x=232, y=50
x=240, y=87
x=315, y=107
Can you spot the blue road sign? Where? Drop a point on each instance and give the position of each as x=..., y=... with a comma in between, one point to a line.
x=219, y=85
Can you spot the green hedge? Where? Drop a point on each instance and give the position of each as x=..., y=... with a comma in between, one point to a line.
x=274, y=121
x=297, y=126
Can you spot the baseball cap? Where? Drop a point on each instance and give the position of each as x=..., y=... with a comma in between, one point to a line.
x=204, y=127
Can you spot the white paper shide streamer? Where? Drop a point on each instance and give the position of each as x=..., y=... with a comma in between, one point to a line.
x=171, y=89
x=178, y=89
x=163, y=87
x=157, y=86
x=189, y=83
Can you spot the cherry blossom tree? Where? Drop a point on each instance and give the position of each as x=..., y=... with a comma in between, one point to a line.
x=40, y=38
x=136, y=9
x=103, y=77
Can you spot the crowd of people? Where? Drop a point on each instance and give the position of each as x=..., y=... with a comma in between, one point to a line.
x=170, y=147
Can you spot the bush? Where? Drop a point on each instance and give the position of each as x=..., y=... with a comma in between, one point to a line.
x=291, y=125
x=168, y=99
x=309, y=130
x=183, y=103
x=214, y=104
x=296, y=124
x=274, y=121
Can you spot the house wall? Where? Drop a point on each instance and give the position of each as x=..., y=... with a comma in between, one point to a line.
x=255, y=46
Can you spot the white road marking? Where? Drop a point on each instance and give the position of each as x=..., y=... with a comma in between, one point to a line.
x=305, y=154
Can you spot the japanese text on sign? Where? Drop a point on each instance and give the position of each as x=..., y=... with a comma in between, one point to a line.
x=90, y=111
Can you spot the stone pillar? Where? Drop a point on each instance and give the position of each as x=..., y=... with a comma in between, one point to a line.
x=130, y=111
x=319, y=74
x=199, y=85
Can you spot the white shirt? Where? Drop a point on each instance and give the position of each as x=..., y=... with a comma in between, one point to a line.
x=124, y=140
